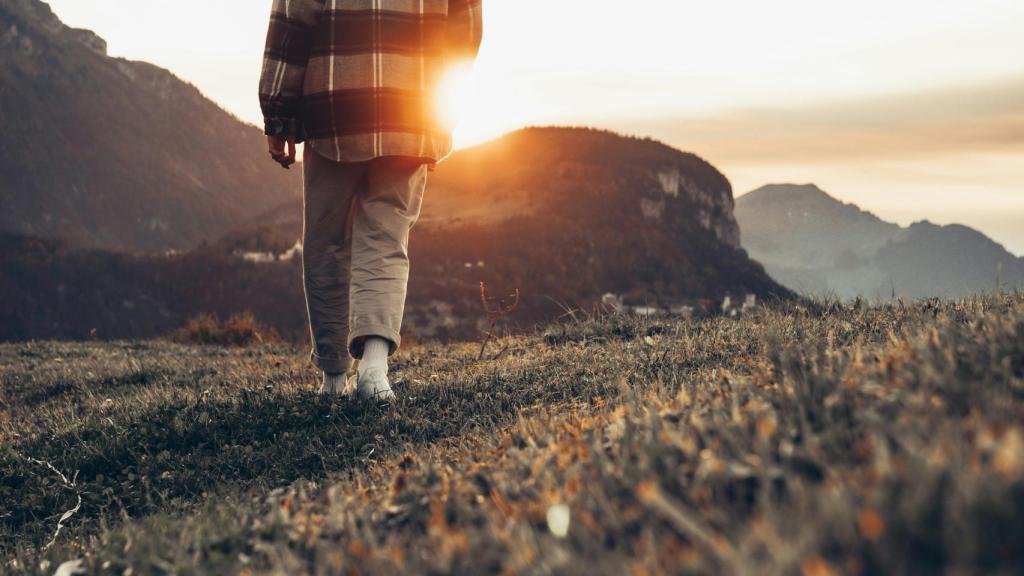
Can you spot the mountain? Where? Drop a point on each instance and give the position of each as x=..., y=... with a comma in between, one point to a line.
x=816, y=244
x=952, y=260
x=116, y=154
x=565, y=216
x=568, y=215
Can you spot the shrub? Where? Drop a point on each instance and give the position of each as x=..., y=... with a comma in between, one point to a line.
x=238, y=330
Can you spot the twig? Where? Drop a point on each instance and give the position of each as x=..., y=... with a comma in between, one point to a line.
x=499, y=310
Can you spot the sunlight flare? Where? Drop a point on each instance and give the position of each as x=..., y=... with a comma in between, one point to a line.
x=457, y=95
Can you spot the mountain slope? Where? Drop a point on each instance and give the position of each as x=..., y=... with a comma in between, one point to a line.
x=803, y=225
x=563, y=215
x=567, y=215
x=813, y=243
x=117, y=154
x=948, y=260
x=574, y=172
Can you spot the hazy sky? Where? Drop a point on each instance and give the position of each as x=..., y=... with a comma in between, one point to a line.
x=911, y=108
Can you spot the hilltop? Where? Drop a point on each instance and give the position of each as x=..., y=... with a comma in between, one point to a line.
x=804, y=438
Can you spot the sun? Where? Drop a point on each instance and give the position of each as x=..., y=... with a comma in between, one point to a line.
x=455, y=94
x=475, y=107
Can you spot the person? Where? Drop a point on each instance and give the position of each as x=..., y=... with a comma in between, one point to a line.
x=357, y=82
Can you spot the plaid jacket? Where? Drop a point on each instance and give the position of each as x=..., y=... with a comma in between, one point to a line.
x=357, y=79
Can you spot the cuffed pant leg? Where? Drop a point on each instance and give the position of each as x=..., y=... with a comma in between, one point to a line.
x=384, y=214
x=329, y=191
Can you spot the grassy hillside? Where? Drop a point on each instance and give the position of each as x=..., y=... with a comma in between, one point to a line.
x=815, y=439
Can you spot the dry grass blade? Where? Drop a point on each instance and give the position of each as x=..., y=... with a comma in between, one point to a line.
x=686, y=523
x=70, y=485
x=60, y=523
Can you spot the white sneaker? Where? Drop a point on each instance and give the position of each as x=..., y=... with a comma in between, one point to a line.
x=337, y=384
x=373, y=384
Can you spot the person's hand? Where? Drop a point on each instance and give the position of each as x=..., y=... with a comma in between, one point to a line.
x=282, y=150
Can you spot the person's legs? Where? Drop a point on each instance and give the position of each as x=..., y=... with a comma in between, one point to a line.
x=385, y=212
x=329, y=192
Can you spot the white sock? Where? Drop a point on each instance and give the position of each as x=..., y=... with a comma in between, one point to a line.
x=375, y=353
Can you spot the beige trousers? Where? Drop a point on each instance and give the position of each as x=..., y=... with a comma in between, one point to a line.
x=355, y=257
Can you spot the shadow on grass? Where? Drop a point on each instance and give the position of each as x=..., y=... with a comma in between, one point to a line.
x=73, y=390
x=169, y=456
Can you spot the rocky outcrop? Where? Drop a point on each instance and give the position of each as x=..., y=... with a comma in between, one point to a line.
x=89, y=39
x=714, y=208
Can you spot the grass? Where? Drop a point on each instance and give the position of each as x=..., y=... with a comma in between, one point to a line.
x=806, y=438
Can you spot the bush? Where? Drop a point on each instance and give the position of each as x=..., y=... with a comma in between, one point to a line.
x=238, y=330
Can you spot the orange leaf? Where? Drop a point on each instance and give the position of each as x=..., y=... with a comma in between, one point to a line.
x=870, y=524
x=357, y=549
x=817, y=566
x=647, y=491
x=572, y=486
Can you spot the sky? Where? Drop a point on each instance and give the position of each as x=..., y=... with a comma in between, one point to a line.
x=911, y=109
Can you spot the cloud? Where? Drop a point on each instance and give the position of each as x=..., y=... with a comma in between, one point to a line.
x=984, y=118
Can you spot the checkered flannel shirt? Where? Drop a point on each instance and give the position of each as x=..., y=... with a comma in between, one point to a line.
x=358, y=79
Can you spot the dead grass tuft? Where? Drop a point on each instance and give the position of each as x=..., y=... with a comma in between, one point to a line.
x=239, y=330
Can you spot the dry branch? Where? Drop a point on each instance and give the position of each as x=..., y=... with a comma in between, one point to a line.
x=495, y=309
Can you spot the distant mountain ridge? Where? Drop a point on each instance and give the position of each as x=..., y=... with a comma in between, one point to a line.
x=116, y=154
x=816, y=244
